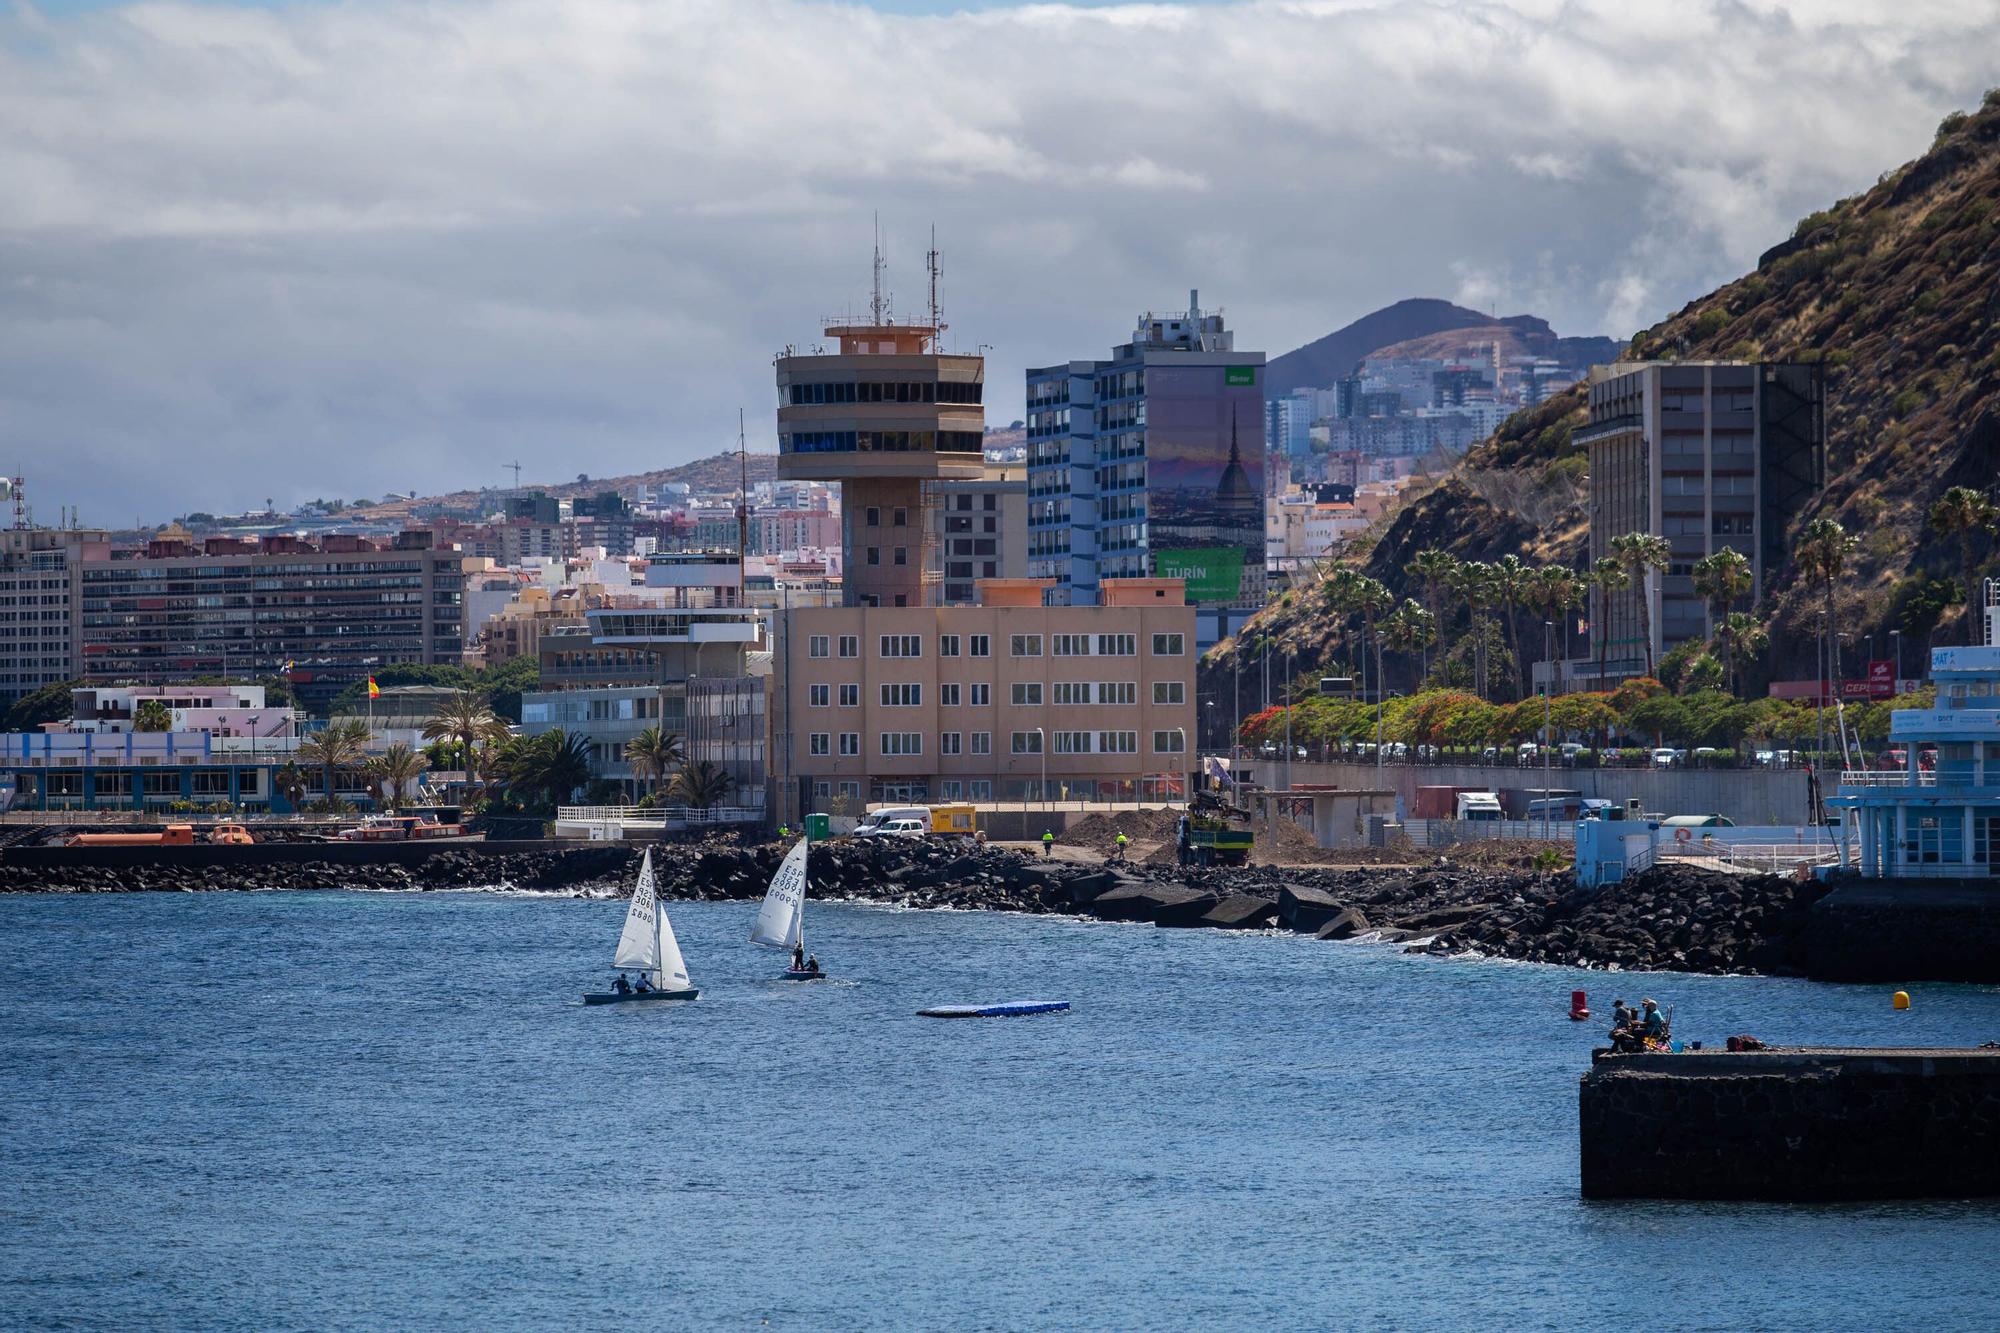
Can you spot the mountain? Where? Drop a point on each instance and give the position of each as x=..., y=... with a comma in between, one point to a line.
x=1517, y=335
x=1323, y=361
x=1896, y=292
x=718, y=473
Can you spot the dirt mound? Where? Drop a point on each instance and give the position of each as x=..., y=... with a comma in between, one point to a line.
x=1099, y=833
x=1284, y=843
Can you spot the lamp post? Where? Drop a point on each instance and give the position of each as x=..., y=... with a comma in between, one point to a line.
x=1042, y=745
x=253, y=745
x=1548, y=676
x=1896, y=649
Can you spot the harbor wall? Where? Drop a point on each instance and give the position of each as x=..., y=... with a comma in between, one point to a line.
x=203, y=856
x=1905, y=930
x=1816, y=1124
x=1746, y=796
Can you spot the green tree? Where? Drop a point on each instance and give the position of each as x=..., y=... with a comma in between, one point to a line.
x=50, y=703
x=1410, y=630
x=652, y=752
x=1640, y=553
x=338, y=747
x=700, y=785
x=397, y=770
x=152, y=715
x=1822, y=553
x=550, y=766
x=1607, y=576
x=464, y=721
x=1721, y=579
x=290, y=782
x=1513, y=584
x=1743, y=641
x=1434, y=570
x=1473, y=582
x=1968, y=515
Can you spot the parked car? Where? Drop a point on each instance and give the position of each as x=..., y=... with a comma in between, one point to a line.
x=1571, y=751
x=1668, y=757
x=1526, y=753
x=903, y=828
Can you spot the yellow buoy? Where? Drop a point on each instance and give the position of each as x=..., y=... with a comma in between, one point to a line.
x=1902, y=999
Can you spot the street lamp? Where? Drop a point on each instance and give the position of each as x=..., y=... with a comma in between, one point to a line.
x=1548, y=677
x=1042, y=745
x=1896, y=647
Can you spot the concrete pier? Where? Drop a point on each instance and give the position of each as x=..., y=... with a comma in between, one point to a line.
x=1799, y=1123
x=1905, y=930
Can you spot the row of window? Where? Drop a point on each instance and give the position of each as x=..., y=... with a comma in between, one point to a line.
x=885, y=391
x=1023, y=694
x=908, y=744
x=880, y=441
x=1018, y=645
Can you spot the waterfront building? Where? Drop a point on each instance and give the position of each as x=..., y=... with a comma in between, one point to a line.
x=1151, y=463
x=1708, y=455
x=225, y=710
x=37, y=590
x=325, y=614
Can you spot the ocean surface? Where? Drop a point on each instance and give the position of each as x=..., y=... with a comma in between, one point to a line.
x=316, y=1110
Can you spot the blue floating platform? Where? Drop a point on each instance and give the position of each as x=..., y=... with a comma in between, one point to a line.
x=1012, y=1009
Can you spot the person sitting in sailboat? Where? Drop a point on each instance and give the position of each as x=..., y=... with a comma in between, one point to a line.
x=622, y=986
x=812, y=963
x=644, y=984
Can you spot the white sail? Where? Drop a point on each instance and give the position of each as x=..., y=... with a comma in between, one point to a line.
x=781, y=921
x=639, y=946
x=673, y=973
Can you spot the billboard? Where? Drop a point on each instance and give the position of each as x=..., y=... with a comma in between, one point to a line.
x=1214, y=574
x=1205, y=478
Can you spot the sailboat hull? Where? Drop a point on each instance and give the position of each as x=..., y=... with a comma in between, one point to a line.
x=800, y=974
x=639, y=997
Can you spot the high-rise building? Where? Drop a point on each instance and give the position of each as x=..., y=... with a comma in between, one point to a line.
x=888, y=416
x=37, y=572
x=1151, y=462
x=985, y=530
x=1708, y=455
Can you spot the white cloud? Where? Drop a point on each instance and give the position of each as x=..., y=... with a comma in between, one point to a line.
x=340, y=249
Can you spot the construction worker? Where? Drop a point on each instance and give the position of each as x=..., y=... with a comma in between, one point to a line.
x=1048, y=844
x=1119, y=855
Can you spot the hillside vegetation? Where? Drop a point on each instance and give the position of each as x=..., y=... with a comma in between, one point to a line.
x=1896, y=291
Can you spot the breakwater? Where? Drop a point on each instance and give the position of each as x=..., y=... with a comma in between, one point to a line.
x=1791, y=1124
x=1905, y=930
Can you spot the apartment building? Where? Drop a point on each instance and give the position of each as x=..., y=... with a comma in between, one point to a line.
x=326, y=614
x=1707, y=455
x=985, y=529
x=37, y=569
x=1009, y=699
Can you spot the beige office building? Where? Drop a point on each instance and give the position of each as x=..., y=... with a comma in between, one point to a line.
x=1006, y=699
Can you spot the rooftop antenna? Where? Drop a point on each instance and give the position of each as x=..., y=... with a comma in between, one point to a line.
x=934, y=262
x=875, y=301
x=742, y=509
x=19, y=487
x=517, y=473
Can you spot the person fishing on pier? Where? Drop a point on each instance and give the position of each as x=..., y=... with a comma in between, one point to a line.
x=1654, y=1025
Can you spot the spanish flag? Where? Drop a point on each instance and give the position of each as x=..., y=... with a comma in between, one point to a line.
x=290, y=666
x=374, y=690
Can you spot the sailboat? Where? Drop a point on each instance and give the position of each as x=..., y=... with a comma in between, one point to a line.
x=781, y=921
x=648, y=945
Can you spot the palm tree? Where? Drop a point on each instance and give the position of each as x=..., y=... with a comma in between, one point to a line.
x=290, y=782
x=340, y=745
x=1472, y=580
x=1410, y=628
x=1743, y=642
x=652, y=752
x=1557, y=591
x=1512, y=585
x=1965, y=513
x=465, y=719
x=1640, y=553
x=397, y=770
x=1822, y=553
x=152, y=715
x=699, y=785
x=552, y=765
x=1607, y=576
x=1721, y=579
x=1433, y=569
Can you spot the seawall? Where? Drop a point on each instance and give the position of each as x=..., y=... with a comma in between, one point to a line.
x=1747, y=796
x=1905, y=930
x=1792, y=1124
x=204, y=856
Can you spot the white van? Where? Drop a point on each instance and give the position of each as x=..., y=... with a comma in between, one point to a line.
x=875, y=823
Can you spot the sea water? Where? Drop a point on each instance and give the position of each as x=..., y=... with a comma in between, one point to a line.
x=311, y=1110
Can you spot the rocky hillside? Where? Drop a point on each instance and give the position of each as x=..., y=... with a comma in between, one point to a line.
x=1325, y=360
x=1896, y=291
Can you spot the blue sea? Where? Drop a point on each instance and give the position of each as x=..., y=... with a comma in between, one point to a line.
x=348, y=1110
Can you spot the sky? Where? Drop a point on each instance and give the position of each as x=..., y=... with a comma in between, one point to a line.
x=342, y=247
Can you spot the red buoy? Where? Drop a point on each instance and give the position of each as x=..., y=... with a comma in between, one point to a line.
x=1579, y=1006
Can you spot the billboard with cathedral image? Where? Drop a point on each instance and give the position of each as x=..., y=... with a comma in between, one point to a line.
x=1205, y=480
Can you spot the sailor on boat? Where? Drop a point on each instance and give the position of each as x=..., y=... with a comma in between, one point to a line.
x=644, y=985
x=812, y=964
x=799, y=957
x=622, y=986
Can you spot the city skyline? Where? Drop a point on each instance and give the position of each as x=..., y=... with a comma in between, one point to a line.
x=308, y=250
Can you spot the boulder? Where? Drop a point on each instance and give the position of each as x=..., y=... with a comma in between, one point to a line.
x=1143, y=902
x=1442, y=918
x=1241, y=911
x=1345, y=926
x=1192, y=911
x=1306, y=910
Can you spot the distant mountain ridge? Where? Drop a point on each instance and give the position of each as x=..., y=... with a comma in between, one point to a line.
x=1324, y=361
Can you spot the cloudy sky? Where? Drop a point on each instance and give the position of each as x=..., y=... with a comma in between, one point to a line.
x=307, y=249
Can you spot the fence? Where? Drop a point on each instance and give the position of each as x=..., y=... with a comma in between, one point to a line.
x=1447, y=832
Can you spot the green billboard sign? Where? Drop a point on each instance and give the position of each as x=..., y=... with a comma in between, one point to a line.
x=1213, y=573
x=1239, y=374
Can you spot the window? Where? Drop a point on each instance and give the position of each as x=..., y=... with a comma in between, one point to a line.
x=902, y=696
x=953, y=789
x=1026, y=645
x=981, y=789
x=982, y=742
x=850, y=743
x=948, y=694
x=948, y=742
x=852, y=790
x=1026, y=742
x=982, y=646
x=1117, y=645
x=1117, y=692
x=1169, y=742
x=947, y=645
x=822, y=789
x=1071, y=645
x=874, y=555
x=1072, y=691
x=850, y=645
x=816, y=646
x=982, y=694
x=1169, y=692
x=1072, y=742
x=874, y=517
x=902, y=519
x=1169, y=645
x=902, y=555
x=819, y=696
x=1118, y=742
x=902, y=645
x=902, y=743
x=822, y=742
x=1027, y=694
x=850, y=696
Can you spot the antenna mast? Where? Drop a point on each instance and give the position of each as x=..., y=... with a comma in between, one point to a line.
x=742, y=511
x=934, y=262
x=875, y=302
x=516, y=466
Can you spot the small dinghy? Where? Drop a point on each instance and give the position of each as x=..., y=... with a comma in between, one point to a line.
x=1012, y=1009
x=781, y=921
x=648, y=945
